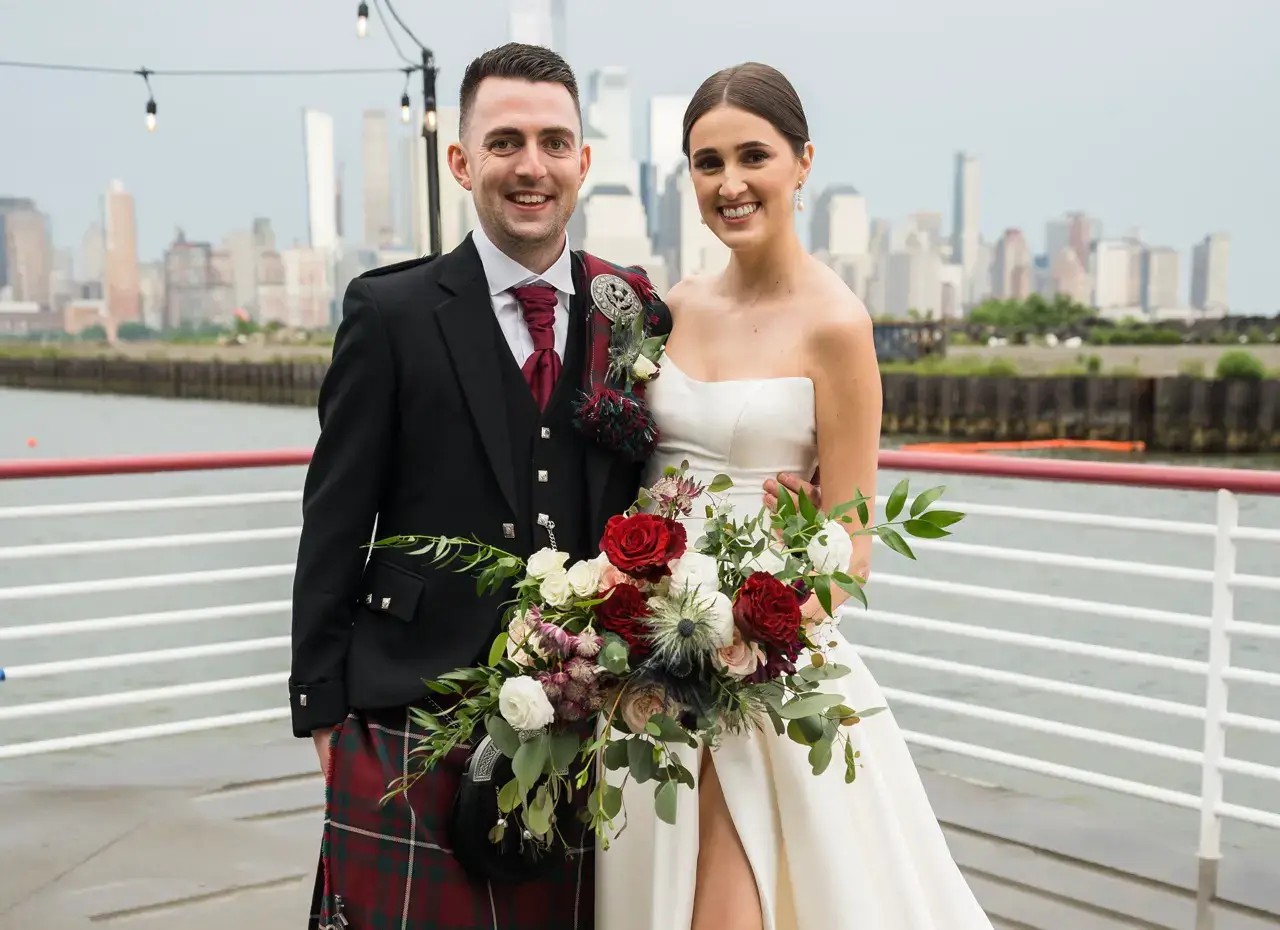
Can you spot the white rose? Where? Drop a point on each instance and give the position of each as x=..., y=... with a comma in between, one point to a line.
x=831, y=549
x=524, y=704
x=770, y=561
x=695, y=572
x=546, y=561
x=556, y=590
x=584, y=578
x=644, y=369
x=522, y=646
x=721, y=609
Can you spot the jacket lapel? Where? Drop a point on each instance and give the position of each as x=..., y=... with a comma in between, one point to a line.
x=467, y=327
x=600, y=461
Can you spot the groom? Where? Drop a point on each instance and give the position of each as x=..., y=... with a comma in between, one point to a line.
x=450, y=407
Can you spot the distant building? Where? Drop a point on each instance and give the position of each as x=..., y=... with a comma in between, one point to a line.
x=1209, y=274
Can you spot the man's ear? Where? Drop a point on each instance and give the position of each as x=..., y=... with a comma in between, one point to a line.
x=459, y=165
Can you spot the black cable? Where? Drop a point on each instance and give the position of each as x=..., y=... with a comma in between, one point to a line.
x=404, y=27
x=205, y=72
x=382, y=18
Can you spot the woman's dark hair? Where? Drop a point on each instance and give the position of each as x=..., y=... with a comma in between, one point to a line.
x=756, y=88
x=515, y=60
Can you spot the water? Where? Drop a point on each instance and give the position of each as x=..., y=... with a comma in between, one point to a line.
x=88, y=425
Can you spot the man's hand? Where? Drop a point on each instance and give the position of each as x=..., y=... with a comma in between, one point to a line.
x=321, y=739
x=793, y=483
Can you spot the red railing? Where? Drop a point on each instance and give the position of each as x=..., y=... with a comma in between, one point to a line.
x=1238, y=480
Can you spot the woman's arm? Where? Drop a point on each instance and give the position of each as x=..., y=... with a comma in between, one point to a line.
x=846, y=378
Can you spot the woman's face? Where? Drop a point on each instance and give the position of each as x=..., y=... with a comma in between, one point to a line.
x=746, y=175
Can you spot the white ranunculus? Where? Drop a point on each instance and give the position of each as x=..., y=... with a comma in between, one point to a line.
x=770, y=561
x=584, y=578
x=831, y=549
x=695, y=572
x=556, y=590
x=522, y=645
x=524, y=704
x=721, y=609
x=643, y=369
x=545, y=561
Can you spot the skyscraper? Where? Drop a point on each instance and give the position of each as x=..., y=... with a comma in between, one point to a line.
x=539, y=22
x=1209, y=274
x=1159, y=279
x=964, y=217
x=1012, y=274
x=121, y=283
x=379, y=230
x=28, y=253
x=322, y=213
x=665, y=155
x=613, y=161
x=841, y=225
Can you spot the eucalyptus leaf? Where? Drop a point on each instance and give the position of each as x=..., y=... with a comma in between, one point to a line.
x=720, y=484
x=564, y=747
x=850, y=764
x=665, y=802
x=808, y=705
x=640, y=760
x=854, y=590
x=613, y=657
x=897, y=497
x=531, y=760
x=820, y=756
x=808, y=509
x=925, y=499
x=615, y=757
x=611, y=801
x=509, y=796
x=825, y=672
x=538, y=814
x=864, y=513
x=667, y=729
x=822, y=587
x=503, y=736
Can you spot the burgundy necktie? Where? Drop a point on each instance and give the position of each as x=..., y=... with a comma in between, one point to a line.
x=542, y=368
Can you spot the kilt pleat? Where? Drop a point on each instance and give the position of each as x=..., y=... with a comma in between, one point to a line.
x=388, y=866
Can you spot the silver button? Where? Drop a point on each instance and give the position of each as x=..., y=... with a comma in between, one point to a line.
x=546, y=432
x=302, y=700
x=368, y=598
x=386, y=603
x=509, y=530
x=542, y=476
x=542, y=519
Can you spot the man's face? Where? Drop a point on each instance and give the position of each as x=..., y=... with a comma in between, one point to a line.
x=522, y=158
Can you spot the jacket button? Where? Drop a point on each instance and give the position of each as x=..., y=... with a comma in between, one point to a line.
x=546, y=432
x=509, y=530
x=386, y=603
x=543, y=476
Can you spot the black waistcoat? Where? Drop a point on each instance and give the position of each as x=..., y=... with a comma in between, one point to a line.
x=548, y=453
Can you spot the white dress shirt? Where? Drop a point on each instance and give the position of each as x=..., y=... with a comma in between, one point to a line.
x=504, y=273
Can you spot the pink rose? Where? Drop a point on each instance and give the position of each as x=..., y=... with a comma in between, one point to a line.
x=739, y=659
x=641, y=702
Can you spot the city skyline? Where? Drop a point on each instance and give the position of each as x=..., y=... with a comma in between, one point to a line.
x=902, y=165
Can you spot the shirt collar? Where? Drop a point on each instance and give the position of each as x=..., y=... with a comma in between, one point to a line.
x=503, y=272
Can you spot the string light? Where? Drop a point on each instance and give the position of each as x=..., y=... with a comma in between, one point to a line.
x=151, y=100
x=362, y=20
x=147, y=73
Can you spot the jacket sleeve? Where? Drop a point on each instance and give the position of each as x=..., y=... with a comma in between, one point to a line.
x=340, y=503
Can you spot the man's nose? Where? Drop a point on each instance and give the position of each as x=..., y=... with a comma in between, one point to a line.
x=529, y=163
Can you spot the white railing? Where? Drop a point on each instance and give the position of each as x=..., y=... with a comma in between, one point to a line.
x=1219, y=627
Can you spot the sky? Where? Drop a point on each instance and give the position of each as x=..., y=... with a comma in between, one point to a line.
x=1154, y=115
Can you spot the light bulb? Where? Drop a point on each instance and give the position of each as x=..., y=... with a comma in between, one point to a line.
x=151, y=116
x=406, y=110
x=430, y=120
x=362, y=20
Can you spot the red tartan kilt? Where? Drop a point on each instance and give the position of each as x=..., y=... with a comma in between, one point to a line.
x=389, y=865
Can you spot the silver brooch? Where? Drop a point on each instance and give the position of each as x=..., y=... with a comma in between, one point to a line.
x=616, y=298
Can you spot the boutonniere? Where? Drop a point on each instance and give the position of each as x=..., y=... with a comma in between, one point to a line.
x=622, y=358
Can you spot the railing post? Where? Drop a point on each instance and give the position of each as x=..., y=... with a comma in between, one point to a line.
x=1224, y=566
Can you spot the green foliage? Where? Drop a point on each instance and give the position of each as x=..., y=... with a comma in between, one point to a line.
x=1035, y=314
x=1242, y=365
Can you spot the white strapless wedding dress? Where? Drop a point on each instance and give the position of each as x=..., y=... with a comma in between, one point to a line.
x=826, y=855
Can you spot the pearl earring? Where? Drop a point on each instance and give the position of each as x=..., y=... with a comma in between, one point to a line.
x=799, y=199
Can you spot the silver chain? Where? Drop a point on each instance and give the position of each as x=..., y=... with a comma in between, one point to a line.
x=550, y=525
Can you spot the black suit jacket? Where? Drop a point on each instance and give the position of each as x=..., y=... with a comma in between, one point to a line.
x=413, y=435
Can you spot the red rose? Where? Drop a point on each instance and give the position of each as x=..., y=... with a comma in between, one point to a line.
x=766, y=610
x=623, y=611
x=641, y=545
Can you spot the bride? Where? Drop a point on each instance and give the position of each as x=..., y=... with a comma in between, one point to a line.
x=771, y=369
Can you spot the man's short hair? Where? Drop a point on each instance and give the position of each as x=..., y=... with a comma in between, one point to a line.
x=516, y=60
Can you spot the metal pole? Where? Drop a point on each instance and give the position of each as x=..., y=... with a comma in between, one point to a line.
x=430, y=124
x=1215, y=737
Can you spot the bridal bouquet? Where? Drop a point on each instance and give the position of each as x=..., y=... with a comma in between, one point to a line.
x=657, y=641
